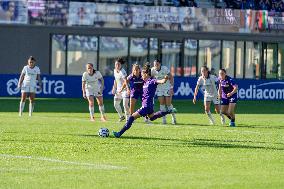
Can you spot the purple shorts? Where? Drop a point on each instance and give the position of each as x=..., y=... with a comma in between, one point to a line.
x=136, y=95
x=144, y=111
x=227, y=101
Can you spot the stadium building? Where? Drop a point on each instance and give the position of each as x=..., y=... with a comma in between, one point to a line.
x=245, y=39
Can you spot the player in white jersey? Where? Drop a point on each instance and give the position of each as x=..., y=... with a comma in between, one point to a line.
x=164, y=91
x=208, y=82
x=119, y=79
x=92, y=87
x=28, y=84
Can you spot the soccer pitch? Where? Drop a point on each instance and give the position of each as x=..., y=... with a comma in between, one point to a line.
x=59, y=148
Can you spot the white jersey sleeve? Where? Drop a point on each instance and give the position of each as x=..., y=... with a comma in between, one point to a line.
x=200, y=81
x=99, y=75
x=84, y=77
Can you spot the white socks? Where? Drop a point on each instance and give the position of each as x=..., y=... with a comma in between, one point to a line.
x=91, y=110
x=21, y=108
x=102, y=110
x=117, y=107
x=174, y=121
x=211, y=120
x=126, y=107
x=163, y=109
x=31, y=109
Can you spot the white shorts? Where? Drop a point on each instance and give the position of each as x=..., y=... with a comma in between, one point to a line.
x=93, y=92
x=163, y=92
x=28, y=89
x=121, y=95
x=214, y=99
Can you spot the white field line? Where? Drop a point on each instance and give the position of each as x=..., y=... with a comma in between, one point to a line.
x=90, y=165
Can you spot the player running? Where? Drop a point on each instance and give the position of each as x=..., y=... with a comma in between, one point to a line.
x=208, y=81
x=147, y=109
x=228, y=93
x=92, y=87
x=165, y=90
x=28, y=84
x=120, y=95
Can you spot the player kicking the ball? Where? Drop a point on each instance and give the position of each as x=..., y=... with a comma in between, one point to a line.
x=208, y=81
x=92, y=87
x=28, y=84
x=147, y=109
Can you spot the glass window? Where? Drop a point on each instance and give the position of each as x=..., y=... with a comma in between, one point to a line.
x=228, y=57
x=271, y=60
x=81, y=50
x=209, y=55
x=153, y=49
x=240, y=59
x=281, y=60
x=138, y=50
x=58, y=54
x=190, y=57
x=171, y=52
x=253, y=54
x=110, y=49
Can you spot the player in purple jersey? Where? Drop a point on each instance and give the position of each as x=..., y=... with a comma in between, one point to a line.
x=134, y=86
x=147, y=109
x=228, y=94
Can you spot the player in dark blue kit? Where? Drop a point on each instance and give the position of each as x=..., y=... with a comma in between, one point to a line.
x=228, y=94
x=147, y=109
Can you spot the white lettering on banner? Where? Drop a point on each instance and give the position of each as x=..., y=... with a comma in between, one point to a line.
x=184, y=90
x=48, y=87
x=255, y=92
x=12, y=87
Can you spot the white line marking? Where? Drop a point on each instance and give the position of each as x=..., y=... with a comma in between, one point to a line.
x=95, y=166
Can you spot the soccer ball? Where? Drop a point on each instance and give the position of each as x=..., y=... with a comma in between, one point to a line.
x=103, y=132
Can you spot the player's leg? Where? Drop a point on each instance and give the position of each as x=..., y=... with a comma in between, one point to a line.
x=116, y=104
x=217, y=106
x=218, y=111
x=91, y=107
x=129, y=123
x=126, y=107
x=231, y=112
x=153, y=116
x=163, y=107
x=132, y=105
x=207, y=104
x=168, y=101
x=100, y=102
x=32, y=100
x=22, y=103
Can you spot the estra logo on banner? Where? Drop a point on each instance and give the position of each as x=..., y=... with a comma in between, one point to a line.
x=48, y=87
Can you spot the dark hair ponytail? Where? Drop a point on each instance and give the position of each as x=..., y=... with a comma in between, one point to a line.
x=32, y=58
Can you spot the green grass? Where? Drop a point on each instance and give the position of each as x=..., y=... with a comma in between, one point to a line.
x=59, y=148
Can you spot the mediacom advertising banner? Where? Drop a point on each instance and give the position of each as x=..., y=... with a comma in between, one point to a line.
x=70, y=87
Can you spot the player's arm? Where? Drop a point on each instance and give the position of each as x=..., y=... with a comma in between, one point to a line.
x=39, y=80
x=125, y=85
x=235, y=89
x=113, y=91
x=171, y=79
x=84, y=89
x=21, y=79
x=102, y=84
x=162, y=81
x=195, y=93
x=219, y=91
